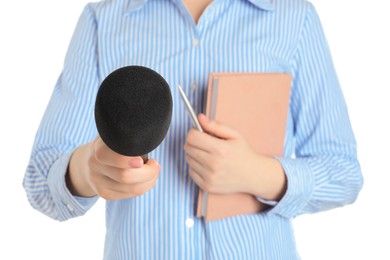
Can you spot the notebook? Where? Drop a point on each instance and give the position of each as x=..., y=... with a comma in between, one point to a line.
x=256, y=104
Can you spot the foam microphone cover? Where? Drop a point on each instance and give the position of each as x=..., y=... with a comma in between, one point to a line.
x=133, y=110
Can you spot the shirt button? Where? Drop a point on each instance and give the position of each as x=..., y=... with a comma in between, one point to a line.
x=189, y=222
x=70, y=208
x=194, y=86
x=195, y=42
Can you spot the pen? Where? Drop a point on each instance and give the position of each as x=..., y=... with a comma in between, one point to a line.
x=190, y=110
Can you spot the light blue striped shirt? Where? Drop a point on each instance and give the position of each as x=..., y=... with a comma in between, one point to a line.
x=232, y=36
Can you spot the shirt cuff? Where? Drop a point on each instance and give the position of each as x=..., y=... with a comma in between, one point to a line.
x=68, y=206
x=300, y=185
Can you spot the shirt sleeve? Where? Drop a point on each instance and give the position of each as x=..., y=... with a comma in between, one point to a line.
x=66, y=124
x=324, y=172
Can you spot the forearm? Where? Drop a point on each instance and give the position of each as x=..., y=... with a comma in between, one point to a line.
x=76, y=178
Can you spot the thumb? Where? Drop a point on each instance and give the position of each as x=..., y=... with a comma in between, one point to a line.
x=217, y=129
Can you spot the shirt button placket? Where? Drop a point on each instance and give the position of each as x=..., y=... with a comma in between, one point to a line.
x=195, y=42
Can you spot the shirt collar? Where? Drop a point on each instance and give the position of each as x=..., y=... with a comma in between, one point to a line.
x=267, y=5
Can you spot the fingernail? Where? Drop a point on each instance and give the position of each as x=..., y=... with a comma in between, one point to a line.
x=204, y=118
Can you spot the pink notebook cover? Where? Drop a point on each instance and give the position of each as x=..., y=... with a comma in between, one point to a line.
x=256, y=104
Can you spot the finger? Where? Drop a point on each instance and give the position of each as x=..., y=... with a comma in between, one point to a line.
x=152, y=164
x=110, y=189
x=134, y=175
x=129, y=176
x=217, y=129
x=105, y=155
x=120, y=191
x=196, y=165
x=197, y=178
x=202, y=141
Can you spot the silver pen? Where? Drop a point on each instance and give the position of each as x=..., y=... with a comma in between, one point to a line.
x=196, y=124
x=190, y=109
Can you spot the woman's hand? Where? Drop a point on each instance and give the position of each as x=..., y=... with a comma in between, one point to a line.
x=95, y=169
x=221, y=161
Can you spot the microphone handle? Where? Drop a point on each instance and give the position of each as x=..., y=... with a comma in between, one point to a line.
x=145, y=157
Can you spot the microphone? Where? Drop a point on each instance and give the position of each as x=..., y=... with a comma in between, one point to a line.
x=133, y=110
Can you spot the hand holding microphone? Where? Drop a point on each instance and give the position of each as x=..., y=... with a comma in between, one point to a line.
x=95, y=169
x=133, y=111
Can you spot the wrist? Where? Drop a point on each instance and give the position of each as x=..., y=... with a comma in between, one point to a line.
x=269, y=181
x=76, y=175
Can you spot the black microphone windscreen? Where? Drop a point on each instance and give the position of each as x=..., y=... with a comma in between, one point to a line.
x=133, y=110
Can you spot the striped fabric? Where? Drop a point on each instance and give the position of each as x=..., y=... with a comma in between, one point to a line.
x=231, y=36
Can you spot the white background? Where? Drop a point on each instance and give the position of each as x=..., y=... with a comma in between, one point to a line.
x=34, y=39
